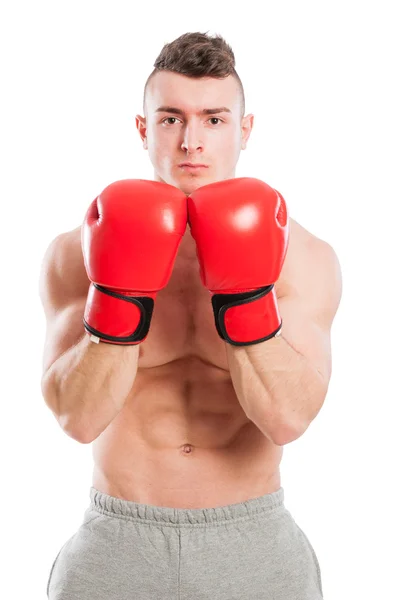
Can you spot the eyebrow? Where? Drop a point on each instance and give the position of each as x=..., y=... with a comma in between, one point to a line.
x=205, y=111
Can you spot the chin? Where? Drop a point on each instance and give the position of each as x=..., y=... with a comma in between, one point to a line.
x=188, y=184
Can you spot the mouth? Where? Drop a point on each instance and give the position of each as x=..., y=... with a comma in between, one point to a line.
x=192, y=166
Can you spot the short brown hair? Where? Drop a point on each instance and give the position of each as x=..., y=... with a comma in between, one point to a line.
x=198, y=55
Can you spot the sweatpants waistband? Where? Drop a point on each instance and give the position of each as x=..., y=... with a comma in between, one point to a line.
x=112, y=506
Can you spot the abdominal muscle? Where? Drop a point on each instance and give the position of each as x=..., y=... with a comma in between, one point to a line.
x=184, y=443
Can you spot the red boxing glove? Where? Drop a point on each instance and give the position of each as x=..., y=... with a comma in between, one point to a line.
x=241, y=231
x=130, y=238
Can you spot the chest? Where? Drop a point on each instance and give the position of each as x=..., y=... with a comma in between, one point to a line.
x=183, y=322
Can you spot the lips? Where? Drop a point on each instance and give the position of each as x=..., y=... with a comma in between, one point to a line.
x=192, y=165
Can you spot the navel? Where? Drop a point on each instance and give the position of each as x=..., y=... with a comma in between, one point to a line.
x=186, y=449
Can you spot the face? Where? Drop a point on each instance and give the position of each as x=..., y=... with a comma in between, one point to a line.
x=193, y=120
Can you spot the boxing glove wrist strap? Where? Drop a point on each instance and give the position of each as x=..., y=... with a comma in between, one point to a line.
x=117, y=318
x=247, y=318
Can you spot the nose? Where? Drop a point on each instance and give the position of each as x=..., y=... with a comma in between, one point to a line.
x=191, y=142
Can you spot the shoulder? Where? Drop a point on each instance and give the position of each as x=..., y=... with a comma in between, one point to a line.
x=312, y=270
x=67, y=241
x=311, y=251
x=317, y=251
x=64, y=254
x=62, y=274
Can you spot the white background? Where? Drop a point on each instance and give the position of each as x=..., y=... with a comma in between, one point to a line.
x=320, y=79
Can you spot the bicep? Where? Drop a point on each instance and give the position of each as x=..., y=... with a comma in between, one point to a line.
x=308, y=311
x=63, y=290
x=305, y=335
x=64, y=329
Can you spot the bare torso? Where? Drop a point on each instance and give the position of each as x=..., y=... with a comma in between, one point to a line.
x=182, y=438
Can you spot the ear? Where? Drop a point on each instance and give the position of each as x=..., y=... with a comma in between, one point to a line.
x=141, y=126
x=246, y=128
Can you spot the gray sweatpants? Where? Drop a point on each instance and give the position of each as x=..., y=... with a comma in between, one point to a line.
x=129, y=551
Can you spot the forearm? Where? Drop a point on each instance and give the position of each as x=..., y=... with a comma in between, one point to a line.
x=277, y=387
x=87, y=386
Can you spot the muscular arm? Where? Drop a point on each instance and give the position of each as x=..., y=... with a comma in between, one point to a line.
x=282, y=383
x=84, y=384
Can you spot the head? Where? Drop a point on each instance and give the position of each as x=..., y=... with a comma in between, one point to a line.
x=194, y=109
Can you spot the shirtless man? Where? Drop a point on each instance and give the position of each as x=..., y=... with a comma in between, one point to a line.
x=187, y=420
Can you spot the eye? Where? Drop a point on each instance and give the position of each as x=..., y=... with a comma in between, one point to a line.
x=175, y=119
x=168, y=119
